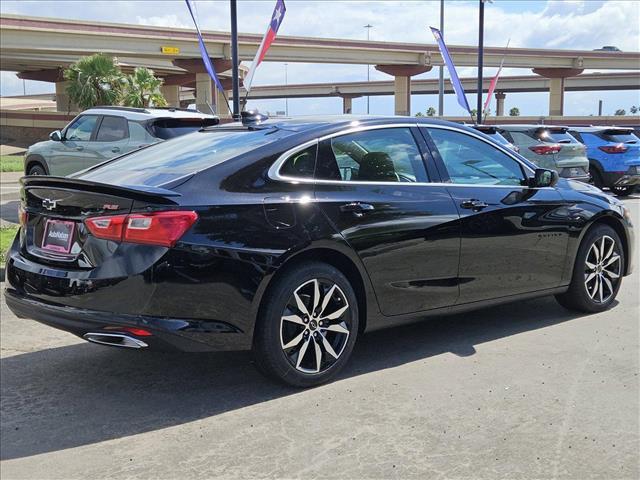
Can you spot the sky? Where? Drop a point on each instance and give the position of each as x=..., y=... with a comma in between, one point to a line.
x=570, y=24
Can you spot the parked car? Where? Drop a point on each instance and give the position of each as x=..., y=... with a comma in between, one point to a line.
x=293, y=237
x=102, y=133
x=550, y=147
x=614, y=157
x=492, y=131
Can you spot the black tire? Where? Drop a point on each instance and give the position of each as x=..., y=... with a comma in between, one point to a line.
x=596, y=178
x=36, y=169
x=583, y=294
x=274, y=358
x=623, y=191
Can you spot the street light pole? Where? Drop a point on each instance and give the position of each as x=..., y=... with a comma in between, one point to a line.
x=441, y=74
x=286, y=99
x=235, y=80
x=480, y=61
x=368, y=27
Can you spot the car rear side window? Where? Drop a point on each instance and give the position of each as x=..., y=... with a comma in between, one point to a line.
x=81, y=129
x=112, y=129
x=469, y=160
x=181, y=156
x=301, y=164
x=380, y=155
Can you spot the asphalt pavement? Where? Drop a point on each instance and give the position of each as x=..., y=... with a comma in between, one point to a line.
x=527, y=390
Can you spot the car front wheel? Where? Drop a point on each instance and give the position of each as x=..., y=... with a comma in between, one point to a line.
x=597, y=273
x=36, y=170
x=308, y=326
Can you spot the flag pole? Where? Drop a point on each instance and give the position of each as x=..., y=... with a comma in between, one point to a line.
x=235, y=79
x=441, y=73
x=480, y=61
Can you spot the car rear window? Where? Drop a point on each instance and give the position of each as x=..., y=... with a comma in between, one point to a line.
x=167, y=161
x=167, y=128
x=554, y=136
x=619, y=136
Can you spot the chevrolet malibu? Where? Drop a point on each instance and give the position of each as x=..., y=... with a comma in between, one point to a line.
x=294, y=237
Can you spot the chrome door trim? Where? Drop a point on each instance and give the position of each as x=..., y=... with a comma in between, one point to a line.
x=274, y=170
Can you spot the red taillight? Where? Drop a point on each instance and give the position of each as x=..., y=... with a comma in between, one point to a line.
x=23, y=216
x=545, y=149
x=109, y=228
x=619, y=148
x=157, y=228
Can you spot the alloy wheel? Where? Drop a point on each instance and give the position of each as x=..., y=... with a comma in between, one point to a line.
x=603, y=267
x=315, y=326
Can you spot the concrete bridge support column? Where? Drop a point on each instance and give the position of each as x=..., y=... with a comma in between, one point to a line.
x=347, y=103
x=402, y=84
x=500, y=96
x=171, y=94
x=556, y=78
x=204, y=93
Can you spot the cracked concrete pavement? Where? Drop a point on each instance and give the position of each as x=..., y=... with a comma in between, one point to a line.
x=517, y=391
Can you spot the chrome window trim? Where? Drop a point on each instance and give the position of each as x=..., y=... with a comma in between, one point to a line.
x=274, y=170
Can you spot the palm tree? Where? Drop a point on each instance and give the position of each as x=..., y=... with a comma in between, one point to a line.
x=94, y=80
x=142, y=89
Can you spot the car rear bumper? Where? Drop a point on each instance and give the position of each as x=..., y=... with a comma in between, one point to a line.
x=182, y=334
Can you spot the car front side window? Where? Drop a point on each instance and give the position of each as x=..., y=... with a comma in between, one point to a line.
x=377, y=155
x=81, y=129
x=112, y=129
x=469, y=160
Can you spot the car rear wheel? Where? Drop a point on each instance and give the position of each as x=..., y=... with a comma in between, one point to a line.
x=596, y=178
x=36, y=169
x=308, y=326
x=623, y=191
x=597, y=273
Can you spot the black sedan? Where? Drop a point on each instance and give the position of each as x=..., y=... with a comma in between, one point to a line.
x=293, y=237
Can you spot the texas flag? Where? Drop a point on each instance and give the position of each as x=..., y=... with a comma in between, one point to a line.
x=269, y=37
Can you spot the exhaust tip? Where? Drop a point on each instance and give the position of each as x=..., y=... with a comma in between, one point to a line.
x=114, y=340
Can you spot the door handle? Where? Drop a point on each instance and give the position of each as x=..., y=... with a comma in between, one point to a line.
x=79, y=149
x=115, y=149
x=474, y=204
x=357, y=208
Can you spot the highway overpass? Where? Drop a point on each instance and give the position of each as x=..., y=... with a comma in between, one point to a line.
x=39, y=47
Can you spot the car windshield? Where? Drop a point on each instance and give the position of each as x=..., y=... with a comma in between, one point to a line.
x=167, y=161
x=554, y=136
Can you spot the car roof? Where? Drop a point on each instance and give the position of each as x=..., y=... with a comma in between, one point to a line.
x=532, y=126
x=600, y=128
x=315, y=122
x=140, y=114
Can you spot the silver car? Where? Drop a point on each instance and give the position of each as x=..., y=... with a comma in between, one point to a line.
x=102, y=133
x=550, y=146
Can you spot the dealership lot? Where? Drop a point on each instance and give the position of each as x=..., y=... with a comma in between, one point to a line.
x=526, y=390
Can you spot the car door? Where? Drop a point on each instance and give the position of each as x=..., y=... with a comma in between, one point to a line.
x=372, y=185
x=111, y=140
x=513, y=237
x=70, y=154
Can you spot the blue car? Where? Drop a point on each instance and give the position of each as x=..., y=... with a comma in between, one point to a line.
x=614, y=157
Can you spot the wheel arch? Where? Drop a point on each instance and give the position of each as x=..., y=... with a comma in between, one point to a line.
x=34, y=159
x=616, y=224
x=335, y=256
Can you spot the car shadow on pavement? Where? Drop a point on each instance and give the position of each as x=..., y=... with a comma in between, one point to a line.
x=83, y=394
x=9, y=211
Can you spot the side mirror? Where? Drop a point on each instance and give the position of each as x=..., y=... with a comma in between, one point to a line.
x=56, y=136
x=544, y=178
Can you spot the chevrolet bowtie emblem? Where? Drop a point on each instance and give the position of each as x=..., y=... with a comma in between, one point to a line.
x=49, y=204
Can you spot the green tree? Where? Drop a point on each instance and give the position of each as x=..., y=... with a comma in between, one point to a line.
x=514, y=112
x=94, y=80
x=431, y=112
x=419, y=114
x=633, y=109
x=142, y=89
x=620, y=111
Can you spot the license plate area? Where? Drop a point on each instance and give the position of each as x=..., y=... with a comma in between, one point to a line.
x=58, y=236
